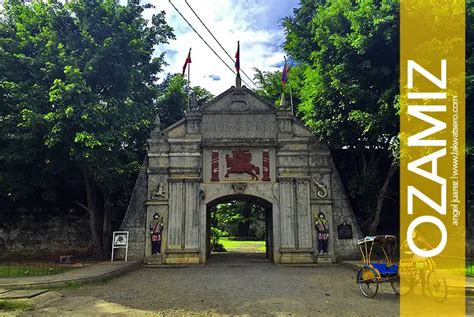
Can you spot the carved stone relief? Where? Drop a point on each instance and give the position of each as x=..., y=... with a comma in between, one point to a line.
x=160, y=191
x=320, y=186
x=238, y=101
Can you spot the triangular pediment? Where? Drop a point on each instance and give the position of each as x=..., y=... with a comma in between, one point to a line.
x=238, y=100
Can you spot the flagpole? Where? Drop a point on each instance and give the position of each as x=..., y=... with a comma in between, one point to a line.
x=189, y=79
x=291, y=103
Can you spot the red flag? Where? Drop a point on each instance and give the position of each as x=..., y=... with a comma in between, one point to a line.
x=237, y=58
x=188, y=61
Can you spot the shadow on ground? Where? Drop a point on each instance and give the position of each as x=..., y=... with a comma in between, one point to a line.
x=231, y=283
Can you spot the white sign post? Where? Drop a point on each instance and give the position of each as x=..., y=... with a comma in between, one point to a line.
x=120, y=241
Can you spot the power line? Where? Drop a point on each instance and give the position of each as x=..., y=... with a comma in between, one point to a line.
x=204, y=40
x=197, y=16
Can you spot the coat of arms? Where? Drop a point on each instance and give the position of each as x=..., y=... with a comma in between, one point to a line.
x=240, y=162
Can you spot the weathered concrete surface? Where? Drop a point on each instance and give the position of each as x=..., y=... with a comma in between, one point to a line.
x=92, y=273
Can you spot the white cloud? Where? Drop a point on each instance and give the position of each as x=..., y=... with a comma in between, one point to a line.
x=253, y=22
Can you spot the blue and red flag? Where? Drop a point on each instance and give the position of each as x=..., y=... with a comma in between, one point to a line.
x=284, y=74
x=237, y=58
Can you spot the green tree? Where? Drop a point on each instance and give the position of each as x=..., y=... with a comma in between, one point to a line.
x=348, y=52
x=238, y=217
x=79, y=85
x=173, y=100
x=269, y=84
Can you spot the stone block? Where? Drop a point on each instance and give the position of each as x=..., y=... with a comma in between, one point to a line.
x=296, y=258
x=324, y=259
x=182, y=258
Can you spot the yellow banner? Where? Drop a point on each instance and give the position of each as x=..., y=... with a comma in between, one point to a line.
x=432, y=213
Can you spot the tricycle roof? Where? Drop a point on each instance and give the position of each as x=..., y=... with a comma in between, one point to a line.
x=378, y=239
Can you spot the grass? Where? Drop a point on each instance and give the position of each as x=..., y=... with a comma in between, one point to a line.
x=10, y=305
x=470, y=270
x=19, y=270
x=243, y=245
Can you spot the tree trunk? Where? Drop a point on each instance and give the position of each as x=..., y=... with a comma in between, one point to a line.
x=92, y=210
x=380, y=198
x=106, y=224
x=244, y=227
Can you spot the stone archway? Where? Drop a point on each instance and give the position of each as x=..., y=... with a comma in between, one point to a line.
x=238, y=144
x=268, y=209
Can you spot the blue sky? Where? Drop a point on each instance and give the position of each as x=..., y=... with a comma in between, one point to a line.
x=256, y=23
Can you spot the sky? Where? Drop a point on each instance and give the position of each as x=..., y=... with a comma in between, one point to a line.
x=255, y=23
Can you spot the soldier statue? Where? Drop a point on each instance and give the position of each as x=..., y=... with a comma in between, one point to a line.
x=156, y=228
x=322, y=228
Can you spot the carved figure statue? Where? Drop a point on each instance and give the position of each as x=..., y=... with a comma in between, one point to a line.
x=159, y=191
x=322, y=228
x=239, y=163
x=156, y=228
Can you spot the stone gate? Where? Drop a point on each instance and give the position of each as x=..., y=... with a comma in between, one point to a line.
x=238, y=145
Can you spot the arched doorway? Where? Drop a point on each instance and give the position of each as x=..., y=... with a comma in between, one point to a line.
x=252, y=223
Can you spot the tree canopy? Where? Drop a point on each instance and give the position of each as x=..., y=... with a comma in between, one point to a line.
x=349, y=90
x=173, y=99
x=78, y=91
x=347, y=83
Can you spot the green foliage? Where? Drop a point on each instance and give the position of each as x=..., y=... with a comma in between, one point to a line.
x=216, y=236
x=77, y=88
x=173, y=99
x=347, y=56
x=349, y=53
x=14, y=305
x=347, y=78
x=12, y=270
x=269, y=84
x=239, y=218
x=247, y=246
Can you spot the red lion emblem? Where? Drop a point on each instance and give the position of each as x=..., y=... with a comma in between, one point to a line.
x=239, y=163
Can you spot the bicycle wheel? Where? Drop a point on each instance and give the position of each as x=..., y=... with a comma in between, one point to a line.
x=367, y=280
x=409, y=283
x=437, y=287
x=396, y=285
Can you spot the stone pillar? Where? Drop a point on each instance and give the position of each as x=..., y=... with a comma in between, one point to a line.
x=191, y=224
x=176, y=221
x=183, y=228
x=295, y=222
x=287, y=215
x=303, y=211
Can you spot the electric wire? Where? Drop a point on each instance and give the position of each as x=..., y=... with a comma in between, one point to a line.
x=195, y=31
x=197, y=16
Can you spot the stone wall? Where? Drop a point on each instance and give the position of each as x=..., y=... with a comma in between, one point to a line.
x=345, y=249
x=135, y=217
x=43, y=233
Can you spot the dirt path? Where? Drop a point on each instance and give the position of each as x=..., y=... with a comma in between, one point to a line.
x=247, y=286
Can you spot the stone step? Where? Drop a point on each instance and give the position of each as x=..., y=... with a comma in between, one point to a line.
x=154, y=260
x=150, y=264
x=323, y=260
